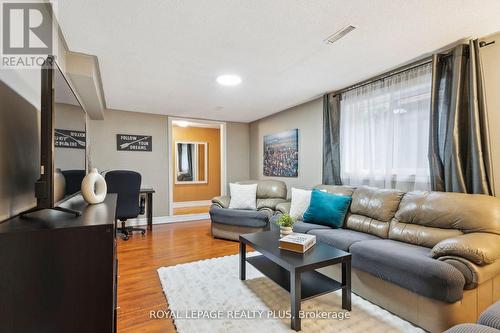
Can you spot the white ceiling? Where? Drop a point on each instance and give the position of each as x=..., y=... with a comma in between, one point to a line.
x=162, y=56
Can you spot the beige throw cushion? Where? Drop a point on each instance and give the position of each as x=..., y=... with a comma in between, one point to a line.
x=243, y=196
x=299, y=203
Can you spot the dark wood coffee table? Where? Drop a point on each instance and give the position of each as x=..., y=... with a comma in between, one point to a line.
x=295, y=272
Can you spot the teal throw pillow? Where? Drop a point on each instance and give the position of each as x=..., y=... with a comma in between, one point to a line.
x=327, y=209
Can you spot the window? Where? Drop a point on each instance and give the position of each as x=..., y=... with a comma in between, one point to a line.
x=384, y=132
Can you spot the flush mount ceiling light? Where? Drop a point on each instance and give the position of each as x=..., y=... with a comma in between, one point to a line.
x=228, y=80
x=182, y=123
x=339, y=34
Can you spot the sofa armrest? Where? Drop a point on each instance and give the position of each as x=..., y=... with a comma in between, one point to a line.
x=470, y=328
x=221, y=201
x=267, y=210
x=473, y=273
x=479, y=247
x=283, y=208
x=491, y=316
x=270, y=203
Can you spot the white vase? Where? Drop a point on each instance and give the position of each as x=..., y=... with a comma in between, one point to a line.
x=284, y=231
x=59, y=185
x=94, y=187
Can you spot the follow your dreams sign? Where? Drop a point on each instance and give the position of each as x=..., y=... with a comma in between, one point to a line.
x=27, y=34
x=132, y=142
x=69, y=139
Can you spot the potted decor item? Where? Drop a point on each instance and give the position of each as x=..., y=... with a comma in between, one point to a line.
x=286, y=223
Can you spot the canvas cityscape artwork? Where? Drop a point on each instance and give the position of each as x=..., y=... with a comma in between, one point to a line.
x=281, y=154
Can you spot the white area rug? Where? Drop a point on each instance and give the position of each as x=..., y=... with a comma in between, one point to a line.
x=212, y=288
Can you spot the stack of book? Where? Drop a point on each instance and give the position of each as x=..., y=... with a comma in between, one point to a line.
x=297, y=242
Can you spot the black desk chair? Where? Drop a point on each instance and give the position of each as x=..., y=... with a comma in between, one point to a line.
x=127, y=184
x=73, y=180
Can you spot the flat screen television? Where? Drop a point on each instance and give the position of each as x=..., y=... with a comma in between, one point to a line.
x=62, y=143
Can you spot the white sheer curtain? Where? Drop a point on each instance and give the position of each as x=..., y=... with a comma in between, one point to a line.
x=384, y=132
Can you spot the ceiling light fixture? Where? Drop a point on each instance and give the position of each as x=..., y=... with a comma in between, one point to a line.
x=339, y=34
x=182, y=123
x=228, y=80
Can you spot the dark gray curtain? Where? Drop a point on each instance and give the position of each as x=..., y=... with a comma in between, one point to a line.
x=331, y=140
x=190, y=158
x=179, y=155
x=459, y=147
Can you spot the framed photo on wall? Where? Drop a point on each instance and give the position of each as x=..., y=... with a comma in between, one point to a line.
x=281, y=154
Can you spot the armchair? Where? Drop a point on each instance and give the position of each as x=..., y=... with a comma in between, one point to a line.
x=230, y=223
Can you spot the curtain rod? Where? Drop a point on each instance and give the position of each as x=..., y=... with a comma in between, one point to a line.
x=411, y=65
x=386, y=75
x=483, y=43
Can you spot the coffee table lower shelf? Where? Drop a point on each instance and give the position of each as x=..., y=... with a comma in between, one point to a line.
x=313, y=283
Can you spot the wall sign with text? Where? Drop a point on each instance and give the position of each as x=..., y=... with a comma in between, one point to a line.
x=133, y=142
x=69, y=139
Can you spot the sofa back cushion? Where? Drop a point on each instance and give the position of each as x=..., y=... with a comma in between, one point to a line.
x=267, y=189
x=426, y=218
x=344, y=190
x=418, y=234
x=372, y=209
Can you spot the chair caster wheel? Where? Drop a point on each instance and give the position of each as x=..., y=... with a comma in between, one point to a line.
x=143, y=232
x=125, y=238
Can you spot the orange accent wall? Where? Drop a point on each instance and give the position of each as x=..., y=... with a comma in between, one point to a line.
x=197, y=192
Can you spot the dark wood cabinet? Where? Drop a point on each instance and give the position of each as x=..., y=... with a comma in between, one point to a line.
x=58, y=272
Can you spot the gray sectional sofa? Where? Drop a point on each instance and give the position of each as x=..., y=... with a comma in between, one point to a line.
x=488, y=322
x=230, y=223
x=432, y=258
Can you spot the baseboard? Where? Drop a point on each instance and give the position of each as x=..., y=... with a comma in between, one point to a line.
x=182, y=204
x=188, y=217
x=168, y=219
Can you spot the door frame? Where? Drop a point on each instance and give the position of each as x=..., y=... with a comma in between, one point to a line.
x=223, y=156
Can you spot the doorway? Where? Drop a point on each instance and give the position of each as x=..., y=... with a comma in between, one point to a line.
x=197, y=166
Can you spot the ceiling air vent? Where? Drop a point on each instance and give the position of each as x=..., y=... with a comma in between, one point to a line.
x=339, y=34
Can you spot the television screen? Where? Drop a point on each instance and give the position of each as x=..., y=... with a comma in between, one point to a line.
x=69, y=139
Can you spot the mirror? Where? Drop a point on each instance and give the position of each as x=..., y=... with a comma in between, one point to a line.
x=69, y=139
x=191, y=162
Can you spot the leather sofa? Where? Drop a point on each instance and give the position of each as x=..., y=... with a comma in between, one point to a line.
x=488, y=322
x=230, y=223
x=433, y=258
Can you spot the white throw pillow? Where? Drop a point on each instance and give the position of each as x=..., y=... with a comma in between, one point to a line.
x=243, y=196
x=300, y=202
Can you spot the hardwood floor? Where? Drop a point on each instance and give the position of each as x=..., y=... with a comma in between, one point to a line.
x=139, y=289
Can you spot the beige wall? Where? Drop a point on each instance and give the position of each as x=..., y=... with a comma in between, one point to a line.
x=153, y=166
x=210, y=189
x=491, y=65
x=308, y=118
x=238, y=152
